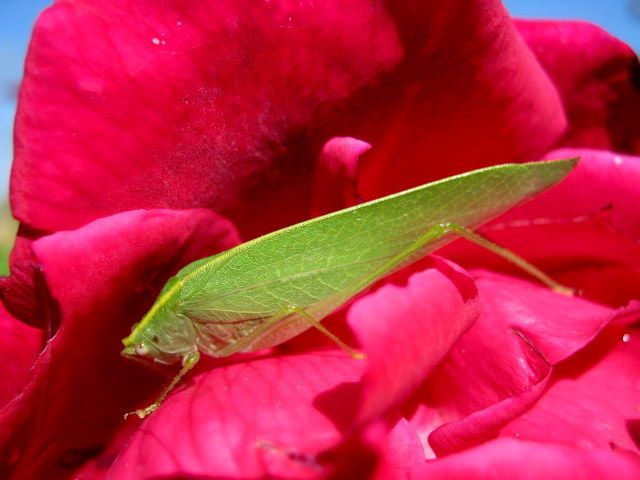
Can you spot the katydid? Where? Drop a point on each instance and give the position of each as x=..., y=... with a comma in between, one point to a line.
x=270, y=289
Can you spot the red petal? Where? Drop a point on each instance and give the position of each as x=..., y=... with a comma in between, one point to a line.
x=258, y=418
x=103, y=276
x=456, y=102
x=407, y=329
x=592, y=401
x=24, y=293
x=403, y=457
x=584, y=231
x=402, y=453
x=19, y=348
x=183, y=105
x=335, y=175
x=526, y=460
x=499, y=368
x=597, y=76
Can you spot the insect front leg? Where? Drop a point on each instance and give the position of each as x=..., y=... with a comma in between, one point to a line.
x=189, y=362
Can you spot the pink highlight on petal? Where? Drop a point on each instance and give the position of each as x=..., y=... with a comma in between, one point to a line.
x=406, y=330
x=335, y=175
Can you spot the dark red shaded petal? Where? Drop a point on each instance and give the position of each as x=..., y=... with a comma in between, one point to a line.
x=500, y=367
x=24, y=293
x=182, y=105
x=592, y=400
x=598, y=78
x=103, y=276
x=19, y=348
x=506, y=458
x=335, y=175
x=456, y=102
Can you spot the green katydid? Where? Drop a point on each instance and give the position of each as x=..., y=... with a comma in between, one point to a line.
x=270, y=289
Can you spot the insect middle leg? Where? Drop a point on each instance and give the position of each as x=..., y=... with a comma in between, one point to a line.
x=274, y=320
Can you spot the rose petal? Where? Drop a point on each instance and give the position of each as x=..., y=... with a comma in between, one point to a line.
x=19, y=348
x=402, y=453
x=593, y=397
x=335, y=175
x=246, y=420
x=407, y=329
x=24, y=293
x=506, y=458
x=183, y=105
x=602, y=179
x=402, y=457
x=597, y=76
x=500, y=367
x=103, y=276
x=456, y=102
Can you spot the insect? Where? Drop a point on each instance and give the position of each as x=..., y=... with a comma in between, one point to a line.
x=270, y=289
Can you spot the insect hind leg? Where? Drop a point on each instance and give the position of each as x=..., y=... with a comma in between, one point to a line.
x=505, y=253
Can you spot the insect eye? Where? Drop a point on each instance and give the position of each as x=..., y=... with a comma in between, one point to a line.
x=141, y=349
x=155, y=339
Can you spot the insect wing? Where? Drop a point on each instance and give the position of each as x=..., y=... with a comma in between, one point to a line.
x=320, y=263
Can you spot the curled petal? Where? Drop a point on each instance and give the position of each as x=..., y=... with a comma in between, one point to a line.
x=102, y=277
x=500, y=367
x=592, y=400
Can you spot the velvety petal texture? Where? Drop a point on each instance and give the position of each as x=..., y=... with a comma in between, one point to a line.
x=157, y=114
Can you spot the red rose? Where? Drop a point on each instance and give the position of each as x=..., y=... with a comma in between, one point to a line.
x=151, y=133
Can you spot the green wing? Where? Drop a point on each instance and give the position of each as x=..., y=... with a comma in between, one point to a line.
x=321, y=263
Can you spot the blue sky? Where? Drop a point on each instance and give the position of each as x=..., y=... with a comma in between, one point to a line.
x=17, y=17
